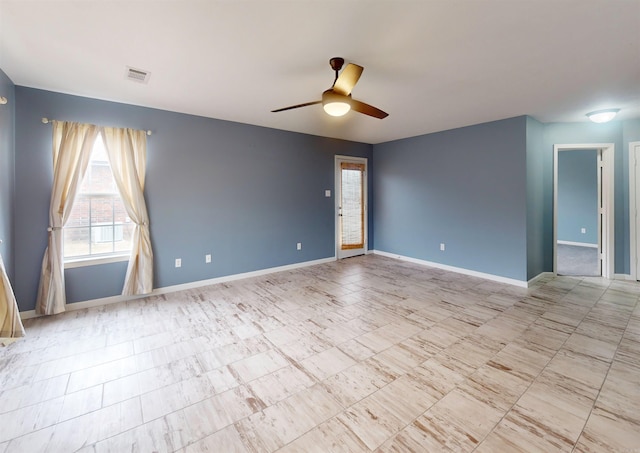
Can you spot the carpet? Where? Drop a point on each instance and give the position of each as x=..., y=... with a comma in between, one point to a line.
x=578, y=260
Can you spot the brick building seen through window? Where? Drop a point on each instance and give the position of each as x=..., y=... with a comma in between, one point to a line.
x=98, y=224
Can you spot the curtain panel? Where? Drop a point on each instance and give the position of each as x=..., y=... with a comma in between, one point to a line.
x=10, y=324
x=127, y=150
x=72, y=147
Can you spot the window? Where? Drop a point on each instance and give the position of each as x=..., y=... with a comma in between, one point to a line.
x=98, y=225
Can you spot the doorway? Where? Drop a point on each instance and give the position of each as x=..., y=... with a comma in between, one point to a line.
x=351, y=206
x=598, y=246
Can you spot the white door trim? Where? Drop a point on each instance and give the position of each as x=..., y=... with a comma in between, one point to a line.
x=633, y=211
x=337, y=192
x=607, y=233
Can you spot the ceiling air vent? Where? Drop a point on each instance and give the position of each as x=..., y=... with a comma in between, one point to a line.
x=137, y=75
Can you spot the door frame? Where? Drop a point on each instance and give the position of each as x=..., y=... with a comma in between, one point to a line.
x=337, y=192
x=606, y=236
x=633, y=212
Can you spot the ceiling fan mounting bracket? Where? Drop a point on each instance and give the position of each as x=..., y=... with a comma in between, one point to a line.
x=336, y=63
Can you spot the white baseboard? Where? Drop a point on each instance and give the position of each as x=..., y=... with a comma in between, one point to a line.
x=627, y=277
x=184, y=286
x=459, y=270
x=579, y=244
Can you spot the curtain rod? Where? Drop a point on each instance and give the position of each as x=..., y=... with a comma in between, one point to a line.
x=46, y=120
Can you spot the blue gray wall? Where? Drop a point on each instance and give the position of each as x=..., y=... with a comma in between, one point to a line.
x=464, y=187
x=7, y=152
x=630, y=133
x=535, y=198
x=578, y=196
x=245, y=194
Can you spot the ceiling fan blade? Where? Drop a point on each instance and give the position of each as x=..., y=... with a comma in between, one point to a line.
x=347, y=79
x=368, y=109
x=296, y=106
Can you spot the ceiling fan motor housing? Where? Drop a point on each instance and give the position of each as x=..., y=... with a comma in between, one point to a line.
x=330, y=96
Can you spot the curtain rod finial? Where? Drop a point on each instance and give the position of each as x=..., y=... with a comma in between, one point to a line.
x=149, y=132
x=3, y=100
x=45, y=120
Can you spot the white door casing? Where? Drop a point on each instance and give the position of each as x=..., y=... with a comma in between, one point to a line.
x=606, y=244
x=634, y=206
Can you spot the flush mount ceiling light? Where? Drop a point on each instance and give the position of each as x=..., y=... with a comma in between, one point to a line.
x=602, y=116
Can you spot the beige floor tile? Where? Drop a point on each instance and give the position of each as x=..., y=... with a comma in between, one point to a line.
x=280, y=384
x=355, y=383
x=81, y=402
x=329, y=437
x=620, y=392
x=226, y=440
x=372, y=423
x=459, y=421
x=100, y=374
x=349, y=356
x=552, y=411
x=35, y=393
x=416, y=438
x=207, y=417
x=607, y=432
x=327, y=363
x=521, y=435
x=259, y=365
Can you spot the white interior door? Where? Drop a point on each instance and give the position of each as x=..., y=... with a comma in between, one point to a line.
x=351, y=206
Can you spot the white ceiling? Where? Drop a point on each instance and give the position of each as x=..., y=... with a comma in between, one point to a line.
x=432, y=65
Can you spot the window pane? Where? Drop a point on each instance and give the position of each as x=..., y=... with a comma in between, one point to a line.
x=352, y=226
x=119, y=212
x=102, y=210
x=102, y=239
x=124, y=232
x=80, y=213
x=99, y=178
x=76, y=242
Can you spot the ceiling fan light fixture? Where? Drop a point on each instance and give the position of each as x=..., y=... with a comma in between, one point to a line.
x=602, y=116
x=337, y=108
x=335, y=104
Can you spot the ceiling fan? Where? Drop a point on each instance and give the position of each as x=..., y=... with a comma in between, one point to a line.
x=337, y=100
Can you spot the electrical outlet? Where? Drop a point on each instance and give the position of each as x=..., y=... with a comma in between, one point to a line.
x=442, y=247
x=583, y=230
x=299, y=246
x=327, y=193
x=178, y=262
x=207, y=258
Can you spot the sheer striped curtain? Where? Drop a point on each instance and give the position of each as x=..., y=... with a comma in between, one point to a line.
x=10, y=324
x=72, y=145
x=127, y=150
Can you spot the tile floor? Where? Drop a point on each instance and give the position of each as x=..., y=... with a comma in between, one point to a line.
x=365, y=354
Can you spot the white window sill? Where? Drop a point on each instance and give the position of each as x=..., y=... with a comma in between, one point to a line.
x=82, y=262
